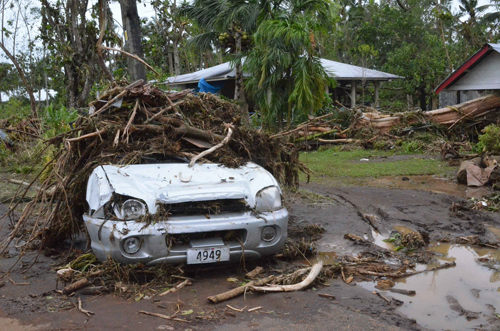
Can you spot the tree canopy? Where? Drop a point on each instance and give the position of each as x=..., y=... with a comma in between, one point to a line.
x=282, y=40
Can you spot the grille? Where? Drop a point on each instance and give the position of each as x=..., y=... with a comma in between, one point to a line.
x=228, y=236
x=205, y=208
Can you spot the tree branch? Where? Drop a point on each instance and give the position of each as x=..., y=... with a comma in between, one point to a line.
x=20, y=70
x=103, y=20
x=402, y=5
x=132, y=56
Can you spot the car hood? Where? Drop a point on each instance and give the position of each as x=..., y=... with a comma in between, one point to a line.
x=176, y=183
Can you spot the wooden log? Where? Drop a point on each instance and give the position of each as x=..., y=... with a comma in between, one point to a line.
x=210, y=150
x=327, y=296
x=254, y=273
x=20, y=182
x=400, y=275
x=84, y=282
x=315, y=270
x=410, y=293
x=339, y=141
x=381, y=296
x=470, y=109
x=176, y=288
x=88, y=135
x=315, y=136
x=171, y=318
x=239, y=290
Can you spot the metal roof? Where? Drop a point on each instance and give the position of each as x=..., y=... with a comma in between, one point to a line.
x=337, y=70
x=485, y=51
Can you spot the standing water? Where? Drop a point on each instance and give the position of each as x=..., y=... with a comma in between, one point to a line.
x=474, y=283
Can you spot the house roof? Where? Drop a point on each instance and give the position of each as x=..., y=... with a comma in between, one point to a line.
x=337, y=70
x=468, y=65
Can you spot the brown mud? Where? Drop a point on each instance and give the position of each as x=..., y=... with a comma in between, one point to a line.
x=337, y=210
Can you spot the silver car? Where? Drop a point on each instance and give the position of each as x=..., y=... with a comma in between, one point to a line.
x=174, y=213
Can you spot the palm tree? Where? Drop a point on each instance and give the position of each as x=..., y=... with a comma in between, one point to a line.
x=287, y=77
x=223, y=21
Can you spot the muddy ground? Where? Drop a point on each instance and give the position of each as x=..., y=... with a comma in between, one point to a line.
x=339, y=210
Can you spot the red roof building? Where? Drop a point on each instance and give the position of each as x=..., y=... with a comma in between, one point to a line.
x=479, y=75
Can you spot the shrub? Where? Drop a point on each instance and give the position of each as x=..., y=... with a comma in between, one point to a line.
x=490, y=139
x=411, y=147
x=56, y=119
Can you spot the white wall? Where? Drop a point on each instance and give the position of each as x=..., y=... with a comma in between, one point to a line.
x=484, y=76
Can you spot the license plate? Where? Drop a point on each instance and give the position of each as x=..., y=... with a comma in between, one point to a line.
x=208, y=255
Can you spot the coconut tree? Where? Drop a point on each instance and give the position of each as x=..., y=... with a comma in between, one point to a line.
x=228, y=25
x=287, y=77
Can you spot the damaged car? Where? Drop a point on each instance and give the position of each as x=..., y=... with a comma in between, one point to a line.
x=174, y=213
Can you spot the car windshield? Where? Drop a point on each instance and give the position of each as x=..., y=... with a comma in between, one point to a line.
x=159, y=158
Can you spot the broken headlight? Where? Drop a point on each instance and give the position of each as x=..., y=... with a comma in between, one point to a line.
x=268, y=199
x=131, y=209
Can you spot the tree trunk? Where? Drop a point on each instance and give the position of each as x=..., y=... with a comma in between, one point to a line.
x=169, y=58
x=239, y=88
x=72, y=89
x=170, y=64
x=422, y=98
x=219, y=56
x=133, y=45
x=177, y=64
x=467, y=110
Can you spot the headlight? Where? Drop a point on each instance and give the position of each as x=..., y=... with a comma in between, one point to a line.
x=268, y=199
x=131, y=245
x=268, y=233
x=132, y=209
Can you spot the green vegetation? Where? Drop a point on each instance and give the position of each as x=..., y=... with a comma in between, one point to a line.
x=345, y=166
x=490, y=139
x=15, y=109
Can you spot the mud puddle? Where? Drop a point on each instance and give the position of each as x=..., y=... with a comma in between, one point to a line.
x=474, y=284
x=432, y=184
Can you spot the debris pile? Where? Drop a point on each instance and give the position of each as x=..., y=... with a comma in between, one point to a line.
x=137, y=124
x=366, y=126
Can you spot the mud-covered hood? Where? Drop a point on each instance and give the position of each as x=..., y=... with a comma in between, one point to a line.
x=176, y=183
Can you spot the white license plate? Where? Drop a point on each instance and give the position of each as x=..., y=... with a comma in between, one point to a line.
x=208, y=254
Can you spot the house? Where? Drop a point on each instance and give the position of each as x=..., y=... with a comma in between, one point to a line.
x=479, y=75
x=347, y=76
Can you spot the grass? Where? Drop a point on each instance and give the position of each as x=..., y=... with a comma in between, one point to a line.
x=345, y=166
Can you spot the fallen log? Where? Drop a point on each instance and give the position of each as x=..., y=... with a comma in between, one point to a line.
x=84, y=282
x=171, y=318
x=396, y=275
x=339, y=141
x=471, y=109
x=176, y=288
x=381, y=296
x=316, y=269
x=327, y=296
x=254, y=273
x=219, y=145
x=239, y=290
x=410, y=293
x=20, y=182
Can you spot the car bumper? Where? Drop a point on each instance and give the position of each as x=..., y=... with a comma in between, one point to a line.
x=107, y=236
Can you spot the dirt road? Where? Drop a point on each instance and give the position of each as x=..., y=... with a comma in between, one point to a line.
x=338, y=210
